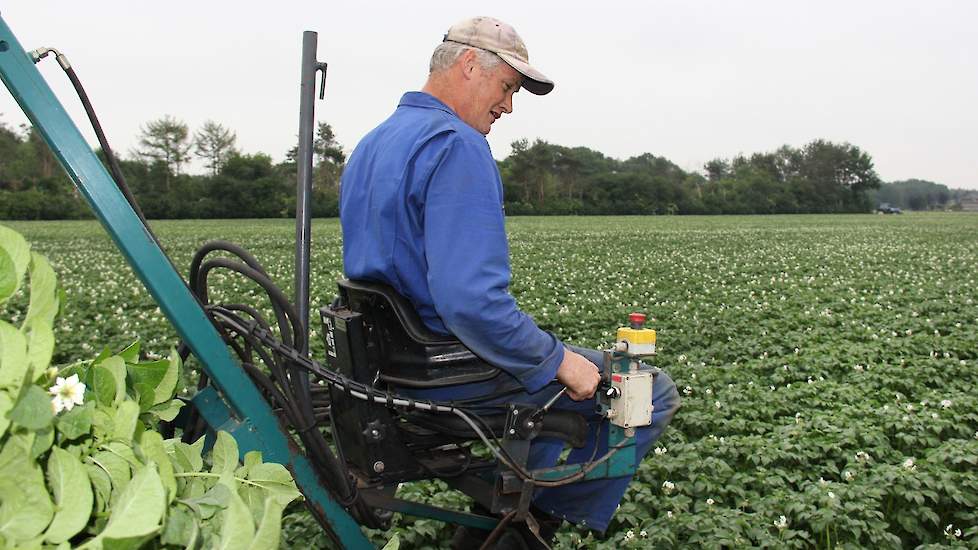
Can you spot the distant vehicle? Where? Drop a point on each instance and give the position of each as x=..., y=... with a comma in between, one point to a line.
x=886, y=208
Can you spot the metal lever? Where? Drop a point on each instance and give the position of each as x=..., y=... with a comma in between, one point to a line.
x=321, y=67
x=554, y=399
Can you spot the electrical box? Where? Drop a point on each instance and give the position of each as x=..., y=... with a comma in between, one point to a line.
x=631, y=399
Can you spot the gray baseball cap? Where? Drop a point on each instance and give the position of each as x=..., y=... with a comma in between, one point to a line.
x=501, y=39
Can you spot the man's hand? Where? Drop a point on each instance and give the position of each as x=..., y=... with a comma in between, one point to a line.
x=579, y=375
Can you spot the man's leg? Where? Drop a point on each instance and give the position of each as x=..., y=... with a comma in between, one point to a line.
x=592, y=503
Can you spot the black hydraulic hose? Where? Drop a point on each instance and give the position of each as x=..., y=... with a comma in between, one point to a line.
x=224, y=246
x=285, y=312
x=315, y=445
x=292, y=333
x=114, y=168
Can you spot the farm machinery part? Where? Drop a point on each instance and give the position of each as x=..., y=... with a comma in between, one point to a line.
x=360, y=434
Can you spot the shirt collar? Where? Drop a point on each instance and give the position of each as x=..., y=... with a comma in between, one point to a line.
x=426, y=101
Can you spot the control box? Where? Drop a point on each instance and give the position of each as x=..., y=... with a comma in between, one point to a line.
x=630, y=402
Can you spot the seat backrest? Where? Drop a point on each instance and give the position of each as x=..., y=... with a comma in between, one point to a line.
x=408, y=353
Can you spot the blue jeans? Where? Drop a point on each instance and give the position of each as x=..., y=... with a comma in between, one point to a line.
x=592, y=503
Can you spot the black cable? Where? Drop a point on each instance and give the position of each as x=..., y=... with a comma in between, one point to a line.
x=285, y=312
x=114, y=168
x=315, y=445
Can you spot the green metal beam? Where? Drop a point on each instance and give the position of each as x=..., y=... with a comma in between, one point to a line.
x=151, y=265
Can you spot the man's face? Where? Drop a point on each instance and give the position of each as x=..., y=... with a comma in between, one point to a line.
x=491, y=95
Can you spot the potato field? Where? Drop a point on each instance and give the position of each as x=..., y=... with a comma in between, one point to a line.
x=828, y=364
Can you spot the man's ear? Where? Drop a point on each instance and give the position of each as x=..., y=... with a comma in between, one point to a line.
x=467, y=62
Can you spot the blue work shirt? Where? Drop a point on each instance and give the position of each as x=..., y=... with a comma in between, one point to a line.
x=421, y=206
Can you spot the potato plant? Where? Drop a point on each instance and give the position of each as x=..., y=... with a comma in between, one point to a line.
x=82, y=464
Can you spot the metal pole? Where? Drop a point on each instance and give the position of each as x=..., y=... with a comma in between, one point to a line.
x=303, y=211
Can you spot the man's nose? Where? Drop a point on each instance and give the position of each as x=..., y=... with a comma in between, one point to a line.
x=507, y=104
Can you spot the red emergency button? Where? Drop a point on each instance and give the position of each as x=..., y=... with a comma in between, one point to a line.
x=636, y=320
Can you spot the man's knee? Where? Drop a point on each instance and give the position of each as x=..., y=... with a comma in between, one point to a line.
x=665, y=396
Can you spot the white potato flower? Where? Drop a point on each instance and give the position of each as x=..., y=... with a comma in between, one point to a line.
x=67, y=393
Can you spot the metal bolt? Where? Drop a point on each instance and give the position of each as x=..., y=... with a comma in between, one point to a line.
x=529, y=424
x=375, y=432
x=378, y=466
x=512, y=431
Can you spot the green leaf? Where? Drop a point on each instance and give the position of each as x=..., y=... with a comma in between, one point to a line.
x=18, y=253
x=270, y=529
x=198, y=449
x=181, y=527
x=44, y=295
x=102, y=484
x=149, y=376
x=117, y=367
x=33, y=410
x=76, y=422
x=8, y=276
x=186, y=457
x=151, y=443
x=117, y=469
x=160, y=376
x=275, y=479
x=72, y=496
x=102, y=424
x=140, y=507
x=131, y=353
x=393, y=544
x=251, y=458
x=102, y=356
x=125, y=419
x=40, y=346
x=167, y=411
x=224, y=455
x=167, y=387
x=124, y=543
x=211, y=502
x=102, y=383
x=144, y=393
x=6, y=403
x=237, y=529
x=26, y=508
x=13, y=357
x=43, y=439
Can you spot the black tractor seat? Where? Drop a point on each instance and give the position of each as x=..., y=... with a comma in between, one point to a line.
x=409, y=354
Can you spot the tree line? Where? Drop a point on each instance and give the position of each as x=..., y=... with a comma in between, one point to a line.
x=539, y=178
x=236, y=185
x=915, y=194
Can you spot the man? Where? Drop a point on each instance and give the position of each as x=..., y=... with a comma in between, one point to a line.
x=421, y=210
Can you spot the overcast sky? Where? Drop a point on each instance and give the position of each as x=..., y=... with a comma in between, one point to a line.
x=686, y=80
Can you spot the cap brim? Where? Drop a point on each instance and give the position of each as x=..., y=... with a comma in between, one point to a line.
x=534, y=81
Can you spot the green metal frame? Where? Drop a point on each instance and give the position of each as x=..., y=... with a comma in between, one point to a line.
x=239, y=407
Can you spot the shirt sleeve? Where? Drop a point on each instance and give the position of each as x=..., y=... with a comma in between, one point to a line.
x=468, y=267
